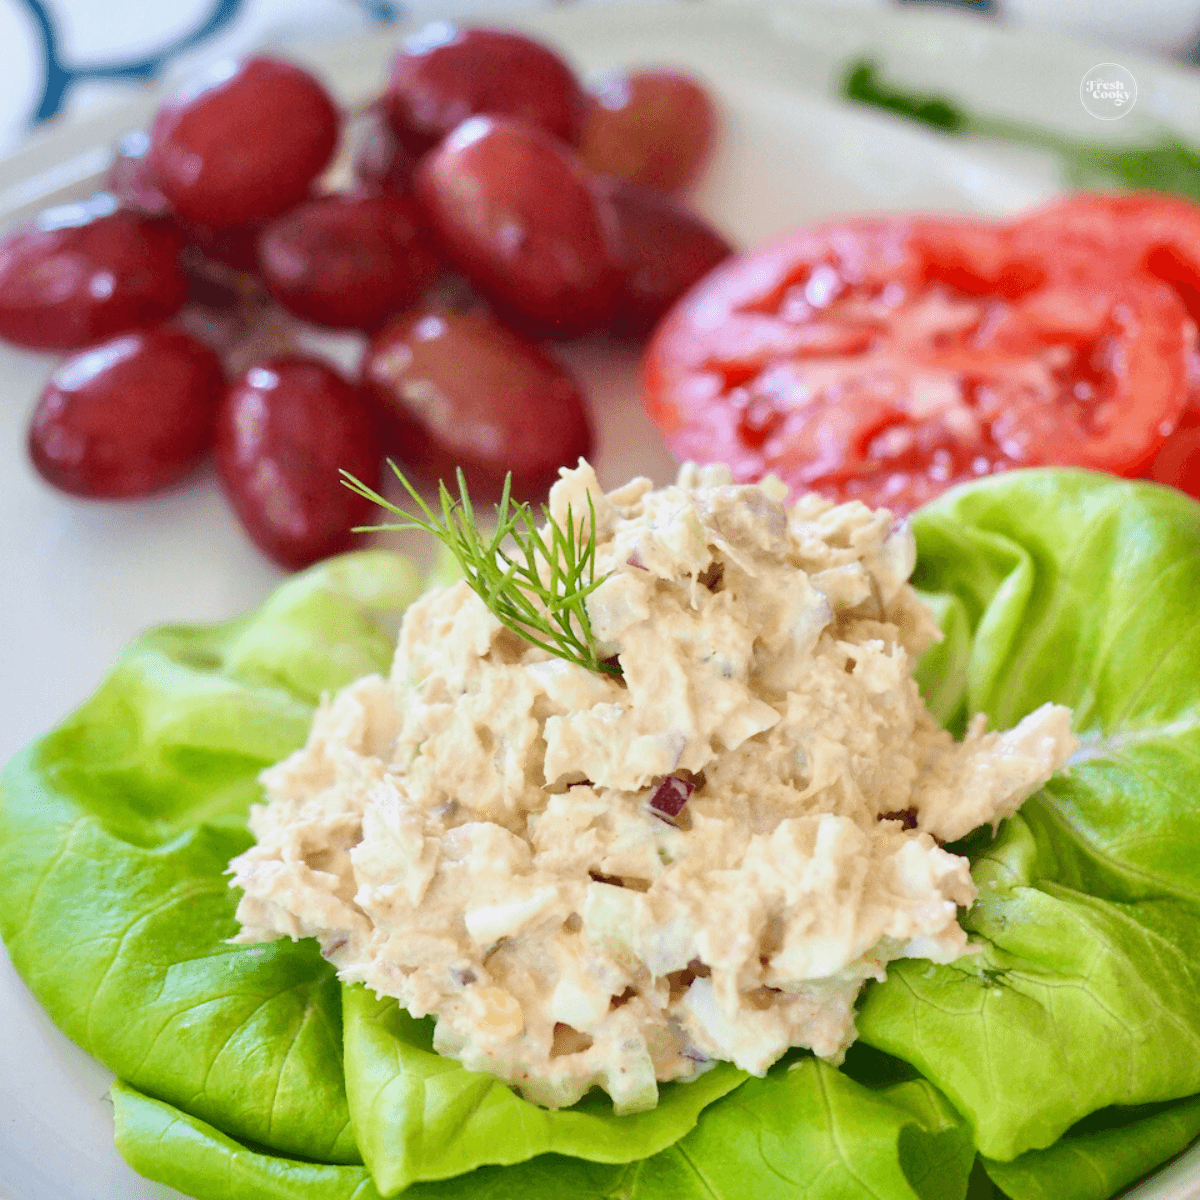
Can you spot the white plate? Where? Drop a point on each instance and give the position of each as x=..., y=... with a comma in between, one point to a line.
x=80, y=580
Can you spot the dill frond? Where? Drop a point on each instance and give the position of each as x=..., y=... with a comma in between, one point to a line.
x=549, y=613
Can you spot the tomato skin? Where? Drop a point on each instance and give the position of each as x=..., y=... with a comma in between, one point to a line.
x=245, y=147
x=1151, y=233
x=64, y=287
x=127, y=417
x=888, y=360
x=284, y=429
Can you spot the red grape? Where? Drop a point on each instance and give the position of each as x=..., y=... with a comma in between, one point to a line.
x=215, y=284
x=236, y=246
x=127, y=417
x=461, y=390
x=284, y=430
x=130, y=178
x=652, y=127
x=519, y=216
x=245, y=145
x=381, y=162
x=84, y=273
x=444, y=75
x=347, y=261
x=666, y=247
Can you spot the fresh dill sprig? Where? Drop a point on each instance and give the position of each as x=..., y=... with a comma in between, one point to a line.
x=549, y=613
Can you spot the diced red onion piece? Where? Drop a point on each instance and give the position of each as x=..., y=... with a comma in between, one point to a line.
x=671, y=795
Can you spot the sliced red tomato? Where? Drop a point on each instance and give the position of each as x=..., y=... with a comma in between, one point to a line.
x=1120, y=233
x=1145, y=232
x=888, y=360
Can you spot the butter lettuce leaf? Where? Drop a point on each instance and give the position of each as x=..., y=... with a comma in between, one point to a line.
x=1072, y=1003
x=1101, y=1155
x=1081, y=589
x=419, y=1115
x=810, y=1132
x=806, y=1132
x=250, y=1072
x=172, y=1147
x=115, y=833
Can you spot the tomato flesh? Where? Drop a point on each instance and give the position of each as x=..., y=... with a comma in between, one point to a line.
x=888, y=360
x=1147, y=233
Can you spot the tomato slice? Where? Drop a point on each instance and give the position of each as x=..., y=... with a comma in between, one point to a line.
x=1120, y=233
x=888, y=360
x=1147, y=232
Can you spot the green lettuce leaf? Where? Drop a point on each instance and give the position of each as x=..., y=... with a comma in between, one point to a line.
x=807, y=1132
x=1081, y=589
x=115, y=833
x=1101, y=1155
x=810, y=1132
x=172, y=1147
x=419, y=1115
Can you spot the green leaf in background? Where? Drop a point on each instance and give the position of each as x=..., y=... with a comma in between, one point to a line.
x=115, y=834
x=1080, y=589
x=862, y=83
x=419, y=1115
x=807, y=1132
x=1166, y=165
x=1101, y=1155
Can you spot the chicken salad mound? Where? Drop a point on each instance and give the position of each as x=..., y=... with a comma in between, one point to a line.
x=613, y=881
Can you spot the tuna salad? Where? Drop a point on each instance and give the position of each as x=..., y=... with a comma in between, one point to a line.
x=607, y=880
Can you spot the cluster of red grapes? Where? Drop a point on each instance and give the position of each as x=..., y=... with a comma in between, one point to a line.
x=484, y=161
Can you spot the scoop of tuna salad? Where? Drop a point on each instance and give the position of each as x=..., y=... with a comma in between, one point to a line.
x=613, y=880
